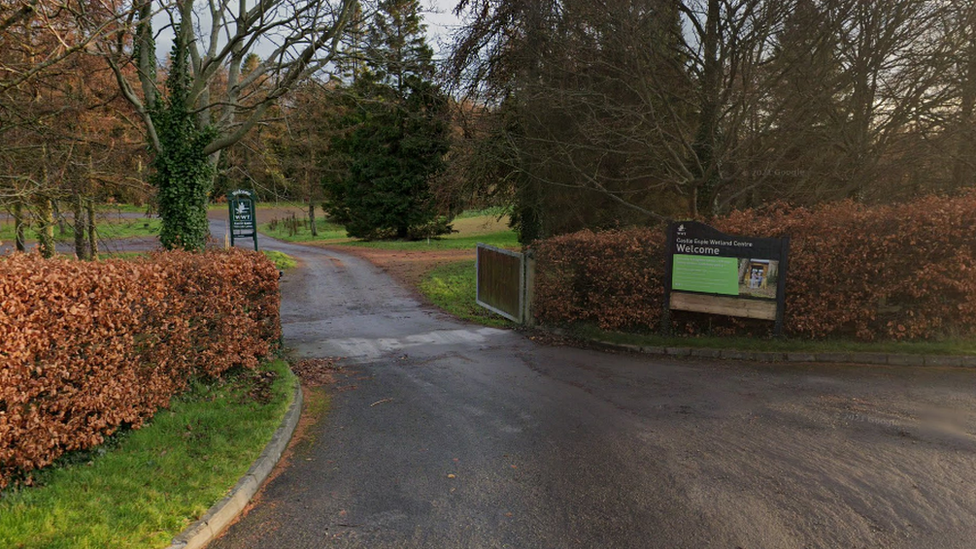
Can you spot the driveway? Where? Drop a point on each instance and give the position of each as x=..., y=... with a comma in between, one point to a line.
x=446, y=434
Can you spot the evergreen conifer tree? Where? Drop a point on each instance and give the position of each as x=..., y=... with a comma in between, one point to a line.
x=396, y=133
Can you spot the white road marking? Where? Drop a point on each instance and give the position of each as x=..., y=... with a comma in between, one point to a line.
x=370, y=349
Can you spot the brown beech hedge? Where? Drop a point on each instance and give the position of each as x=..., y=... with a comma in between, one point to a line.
x=86, y=348
x=893, y=272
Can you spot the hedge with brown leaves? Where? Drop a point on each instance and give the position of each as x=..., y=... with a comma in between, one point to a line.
x=88, y=347
x=894, y=272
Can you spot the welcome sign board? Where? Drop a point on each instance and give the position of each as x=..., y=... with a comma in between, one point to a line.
x=709, y=271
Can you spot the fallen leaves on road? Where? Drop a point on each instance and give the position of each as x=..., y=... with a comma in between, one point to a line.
x=315, y=372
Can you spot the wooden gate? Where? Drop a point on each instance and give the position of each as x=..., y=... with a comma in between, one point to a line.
x=501, y=281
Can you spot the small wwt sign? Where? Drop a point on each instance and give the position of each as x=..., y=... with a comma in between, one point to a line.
x=242, y=221
x=709, y=271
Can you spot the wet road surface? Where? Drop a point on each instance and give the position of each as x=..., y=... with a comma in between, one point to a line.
x=445, y=434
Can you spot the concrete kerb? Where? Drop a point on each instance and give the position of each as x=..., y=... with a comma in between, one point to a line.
x=889, y=359
x=219, y=517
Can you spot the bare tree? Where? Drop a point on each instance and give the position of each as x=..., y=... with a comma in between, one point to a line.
x=55, y=109
x=636, y=104
x=209, y=103
x=628, y=111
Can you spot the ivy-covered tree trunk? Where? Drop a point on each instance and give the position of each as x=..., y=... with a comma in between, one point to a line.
x=183, y=171
x=184, y=177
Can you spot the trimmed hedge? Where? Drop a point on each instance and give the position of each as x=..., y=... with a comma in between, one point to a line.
x=893, y=272
x=86, y=348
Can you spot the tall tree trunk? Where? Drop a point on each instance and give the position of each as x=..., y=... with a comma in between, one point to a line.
x=19, y=226
x=45, y=236
x=706, y=160
x=311, y=196
x=184, y=182
x=59, y=218
x=864, y=73
x=78, y=209
x=311, y=215
x=184, y=172
x=963, y=167
x=92, y=234
x=529, y=195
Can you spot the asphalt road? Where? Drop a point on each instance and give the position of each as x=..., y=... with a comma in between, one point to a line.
x=445, y=434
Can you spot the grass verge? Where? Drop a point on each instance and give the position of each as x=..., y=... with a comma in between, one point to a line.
x=777, y=345
x=281, y=260
x=451, y=287
x=143, y=487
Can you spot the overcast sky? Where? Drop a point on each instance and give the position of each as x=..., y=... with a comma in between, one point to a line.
x=440, y=24
x=438, y=17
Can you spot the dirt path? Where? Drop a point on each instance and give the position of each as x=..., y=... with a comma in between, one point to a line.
x=406, y=267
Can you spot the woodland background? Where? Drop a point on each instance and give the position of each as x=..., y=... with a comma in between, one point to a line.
x=574, y=114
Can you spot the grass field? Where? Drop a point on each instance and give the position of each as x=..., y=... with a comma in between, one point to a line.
x=143, y=487
x=451, y=287
x=489, y=226
x=109, y=227
x=504, y=239
x=300, y=232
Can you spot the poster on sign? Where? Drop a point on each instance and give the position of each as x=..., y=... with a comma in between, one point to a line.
x=709, y=271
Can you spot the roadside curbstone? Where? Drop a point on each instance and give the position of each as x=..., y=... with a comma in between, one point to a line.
x=891, y=359
x=732, y=354
x=677, y=351
x=833, y=357
x=219, y=517
x=653, y=350
x=944, y=361
x=906, y=360
x=706, y=353
x=627, y=346
x=869, y=358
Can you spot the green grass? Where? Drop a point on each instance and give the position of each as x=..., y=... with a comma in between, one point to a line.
x=145, y=486
x=120, y=208
x=503, y=239
x=127, y=228
x=777, y=345
x=492, y=211
x=106, y=228
x=281, y=260
x=472, y=227
x=326, y=231
x=452, y=288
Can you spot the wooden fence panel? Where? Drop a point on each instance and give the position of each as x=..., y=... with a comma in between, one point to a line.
x=500, y=282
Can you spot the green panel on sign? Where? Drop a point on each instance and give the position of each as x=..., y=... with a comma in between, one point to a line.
x=705, y=274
